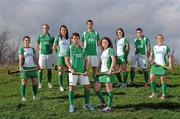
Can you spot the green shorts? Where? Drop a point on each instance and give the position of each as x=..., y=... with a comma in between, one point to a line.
x=106, y=79
x=158, y=70
x=28, y=74
x=60, y=61
x=121, y=59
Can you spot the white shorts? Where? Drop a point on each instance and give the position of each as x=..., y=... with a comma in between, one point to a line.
x=93, y=60
x=83, y=80
x=46, y=61
x=140, y=60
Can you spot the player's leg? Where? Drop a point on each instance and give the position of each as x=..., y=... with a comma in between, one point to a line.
x=34, y=88
x=164, y=86
x=97, y=87
x=143, y=65
x=93, y=61
x=153, y=86
x=125, y=73
x=50, y=64
x=23, y=89
x=42, y=64
x=72, y=84
x=134, y=60
x=118, y=75
x=60, y=77
x=110, y=97
x=85, y=82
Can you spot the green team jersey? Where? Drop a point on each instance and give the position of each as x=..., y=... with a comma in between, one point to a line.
x=120, y=46
x=141, y=45
x=62, y=44
x=90, y=40
x=46, y=43
x=28, y=56
x=77, y=57
x=106, y=59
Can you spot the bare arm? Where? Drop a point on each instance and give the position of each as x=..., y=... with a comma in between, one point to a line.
x=148, y=51
x=37, y=47
x=112, y=64
x=20, y=61
x=54, y=47
x=68, y=64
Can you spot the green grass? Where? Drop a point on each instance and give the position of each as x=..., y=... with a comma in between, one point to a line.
x=131, y=102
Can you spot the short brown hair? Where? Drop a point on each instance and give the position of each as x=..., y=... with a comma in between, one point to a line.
x=45, y=25
x=89, y=20
x=75, y=34
x=26, y=37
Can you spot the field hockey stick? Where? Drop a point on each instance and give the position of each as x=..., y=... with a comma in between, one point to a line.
x=106, y=73
x=19, y=71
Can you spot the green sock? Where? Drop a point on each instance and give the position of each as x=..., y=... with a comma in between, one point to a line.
x=71, y=97
x=153, y=87
x=23, y=90
x=146, y=76
x=86, y=95
x=34, y=90
x=110, y=98
x=49, y=75
x=118, y=75
x=100, y=95
x=132, y=75
x=60, y=80
x=40, y=73
x=125, y=74
x=164, y=88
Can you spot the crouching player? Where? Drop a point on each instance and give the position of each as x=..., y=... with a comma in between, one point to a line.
x=28, y=61
x=106, y=64
x=76, y=61
x=158, y=58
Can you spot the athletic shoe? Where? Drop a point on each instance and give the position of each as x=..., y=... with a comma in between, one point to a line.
x=24, y=99
x=103, y=105
x=36, y=98
x=123, y=85
x=88, y=107
x=163, y=97
x=153, y=95
x=107, y=109
x=130, y=83
x=40, y=86
x=61, y=89
x=145, y=85
x=49, y=85
x=71, y=108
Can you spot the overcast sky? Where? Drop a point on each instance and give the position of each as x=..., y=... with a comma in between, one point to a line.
x=25, y=17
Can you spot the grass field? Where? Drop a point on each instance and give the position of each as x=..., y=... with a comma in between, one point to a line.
x=131, y=102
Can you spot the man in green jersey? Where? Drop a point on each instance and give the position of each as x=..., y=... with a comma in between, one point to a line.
x=90, y=41
x=44, y=46
x=76, y=61
x=142, y=53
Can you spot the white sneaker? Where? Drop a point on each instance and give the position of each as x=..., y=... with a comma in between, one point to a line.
x=61, y=89
x=153, y=95
x=40, y=86
x=36, y=98
x=163, y=97
x=49, y=85
x=24, y=99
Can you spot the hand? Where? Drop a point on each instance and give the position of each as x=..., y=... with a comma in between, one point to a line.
x=109, y=72
x=38, y=68
x=85, y=73
x=170, y=67
x=72, y=71
x=21, y=69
